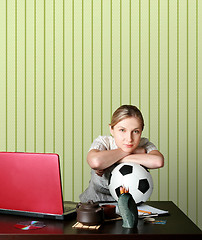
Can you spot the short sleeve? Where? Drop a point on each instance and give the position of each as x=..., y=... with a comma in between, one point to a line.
x=149, y=146
x=101, y=143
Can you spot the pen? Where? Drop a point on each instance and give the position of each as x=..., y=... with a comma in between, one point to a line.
x=144, y=211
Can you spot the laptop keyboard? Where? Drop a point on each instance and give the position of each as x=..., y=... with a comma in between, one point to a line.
x=68, y=206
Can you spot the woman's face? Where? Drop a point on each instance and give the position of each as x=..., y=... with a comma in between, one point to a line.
x=127, y=134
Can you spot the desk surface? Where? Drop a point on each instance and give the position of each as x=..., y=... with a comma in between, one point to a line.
x=178, y=226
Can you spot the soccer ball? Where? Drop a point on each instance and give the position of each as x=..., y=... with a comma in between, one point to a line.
x=133, y=176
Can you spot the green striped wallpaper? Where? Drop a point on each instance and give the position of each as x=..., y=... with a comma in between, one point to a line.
x=66, y=65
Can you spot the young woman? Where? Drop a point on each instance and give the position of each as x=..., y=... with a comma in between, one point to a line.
x=124, y=145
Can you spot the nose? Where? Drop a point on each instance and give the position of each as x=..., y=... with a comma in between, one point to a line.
x=129, y=137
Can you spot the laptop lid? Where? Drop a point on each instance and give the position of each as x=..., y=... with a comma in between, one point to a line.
x=31, y=184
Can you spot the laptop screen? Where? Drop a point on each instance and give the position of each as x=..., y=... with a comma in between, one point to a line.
x=30, y=182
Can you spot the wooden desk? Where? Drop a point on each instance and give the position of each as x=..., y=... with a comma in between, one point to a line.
x=178, y=226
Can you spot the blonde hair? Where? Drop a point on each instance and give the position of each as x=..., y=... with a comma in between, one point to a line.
x=126, y=111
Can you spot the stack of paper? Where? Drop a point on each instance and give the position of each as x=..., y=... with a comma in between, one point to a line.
x=144, y=210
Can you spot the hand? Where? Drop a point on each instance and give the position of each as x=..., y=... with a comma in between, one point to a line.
x=100, y=172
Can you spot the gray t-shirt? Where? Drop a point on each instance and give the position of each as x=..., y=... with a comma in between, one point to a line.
x=98, y=186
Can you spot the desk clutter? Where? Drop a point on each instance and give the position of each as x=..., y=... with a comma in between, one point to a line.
x=82, y=226
x=30, y=225
x=154, y=221
x=92, y=215
x=95, y=227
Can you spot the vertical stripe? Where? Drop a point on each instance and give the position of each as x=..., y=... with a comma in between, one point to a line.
x=140, y=54
x=173, y=100
x=44, y=75
x=120, y=52
x=64, y=106
x=178, y=102
x=111, y=60
x=187, y=104
x=25, y=75
x=168, y=101
x=34, y=75
x=149, y=80
x=159, y=82
x=192, y=109
x=6, y=75
x=197, y=109
x=16, y=52
x=92, y=70
x=130, y=52
x=101, y=90
x=82, y=97
x=73, y=99
x=53, y=75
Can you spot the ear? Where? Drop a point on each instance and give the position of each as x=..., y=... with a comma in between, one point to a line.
x=111, y=130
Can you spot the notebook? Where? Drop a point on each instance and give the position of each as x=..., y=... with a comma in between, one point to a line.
x=30, y=185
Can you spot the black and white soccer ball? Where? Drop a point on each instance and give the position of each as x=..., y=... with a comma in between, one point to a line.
x=133, y=176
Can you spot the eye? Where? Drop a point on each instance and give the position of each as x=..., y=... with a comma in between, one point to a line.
x=122, y=130
x=136, y=131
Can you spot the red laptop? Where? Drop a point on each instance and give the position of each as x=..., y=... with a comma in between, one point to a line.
x=30, y=184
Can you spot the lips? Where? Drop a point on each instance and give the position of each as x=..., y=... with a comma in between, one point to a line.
x=129, y=145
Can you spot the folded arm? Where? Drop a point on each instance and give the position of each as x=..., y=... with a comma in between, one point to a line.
x=152, y=160
x=99, y=160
